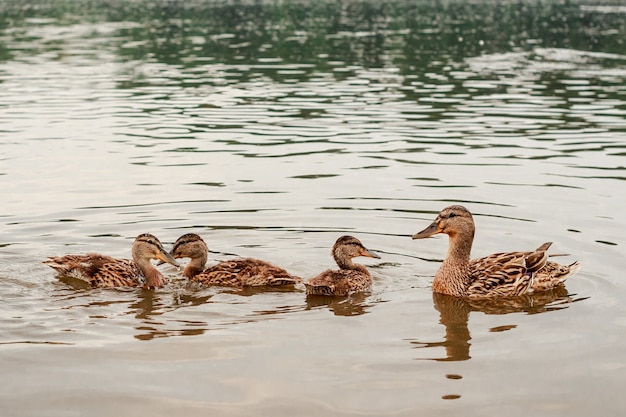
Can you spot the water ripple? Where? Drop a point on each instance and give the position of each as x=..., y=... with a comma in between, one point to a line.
x=271, y=128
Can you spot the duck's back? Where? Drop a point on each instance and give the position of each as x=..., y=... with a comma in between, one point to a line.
x=97, y=270
x=339, y=282
x=244, y=273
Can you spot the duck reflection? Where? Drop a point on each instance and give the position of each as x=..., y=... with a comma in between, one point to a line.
x=151, y=304
x=353, y=305
x=146, y=306
x=257, y=290
x=454, y=314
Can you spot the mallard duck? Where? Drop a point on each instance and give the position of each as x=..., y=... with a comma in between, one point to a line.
x=246, y=272
x=105, y=271
x=350, y=277
x=500, y=274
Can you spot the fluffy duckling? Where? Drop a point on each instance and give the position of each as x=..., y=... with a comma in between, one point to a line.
x=246, y=272
x=104, y=271
x=350, y=277
x=500, y=274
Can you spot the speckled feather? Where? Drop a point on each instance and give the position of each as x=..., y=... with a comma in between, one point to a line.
x=98, y=270
x=553, y=275
x=243, y=273
x=507, y=273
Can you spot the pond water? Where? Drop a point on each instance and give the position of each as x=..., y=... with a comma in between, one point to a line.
x=271, y=129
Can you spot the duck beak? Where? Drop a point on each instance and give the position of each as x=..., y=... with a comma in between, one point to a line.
x=369, y=253
x=171, y=254
x=164, y=256
x=433, y=229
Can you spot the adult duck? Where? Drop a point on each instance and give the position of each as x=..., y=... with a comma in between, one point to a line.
x=104, y=271
x=350, y=277
x=247, y=272
x=500, y=274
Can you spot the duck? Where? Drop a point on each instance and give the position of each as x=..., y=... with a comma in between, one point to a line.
x=498, y=275
x=350, y=277
x=245, y=272
x=104, y=271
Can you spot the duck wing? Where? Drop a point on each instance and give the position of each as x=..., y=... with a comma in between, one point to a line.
x=506, y=273
x=245, y=272
x=97, y=270
x=256, y=272
x=121, y=273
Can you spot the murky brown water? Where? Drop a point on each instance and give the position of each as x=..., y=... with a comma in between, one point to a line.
x=273, y=128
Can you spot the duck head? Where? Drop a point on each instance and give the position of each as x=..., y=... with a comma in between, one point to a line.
x=348, y=247
x=147, y=246
x=453, y=221
x=191, y=246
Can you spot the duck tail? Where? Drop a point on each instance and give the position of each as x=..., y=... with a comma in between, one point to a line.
x=573, y=269
x=57, y=264
x=544, y=247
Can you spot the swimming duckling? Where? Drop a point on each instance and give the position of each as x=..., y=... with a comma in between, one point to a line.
x=350, y=277
x=233, y=273
x=500, y=274
x=104, y=271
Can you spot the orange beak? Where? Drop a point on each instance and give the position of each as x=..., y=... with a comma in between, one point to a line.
x=369, y=253
x=431, y=230
x=163, y=256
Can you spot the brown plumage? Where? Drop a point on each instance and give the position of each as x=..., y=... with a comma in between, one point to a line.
x=350, y=277
x=500, y=274
x=246, y=272
x=105, y=271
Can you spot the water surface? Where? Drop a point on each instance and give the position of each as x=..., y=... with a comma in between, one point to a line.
x=271, y=129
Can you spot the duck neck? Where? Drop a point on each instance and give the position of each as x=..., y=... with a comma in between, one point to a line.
x=344, y=262
x=195, y=266
x=153, y=276
x=453, y=276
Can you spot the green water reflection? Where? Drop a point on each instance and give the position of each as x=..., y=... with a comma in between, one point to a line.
x=417, y=51
x=411, y=36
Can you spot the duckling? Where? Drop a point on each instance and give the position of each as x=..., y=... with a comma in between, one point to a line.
x=497, y=275
x=350, y=277
x=105, y=271
x=240, y=273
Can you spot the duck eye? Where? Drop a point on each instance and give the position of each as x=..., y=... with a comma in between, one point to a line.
x=452, y=215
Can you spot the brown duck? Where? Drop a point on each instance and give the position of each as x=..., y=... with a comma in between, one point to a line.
x=500, y=274
x=350, y=277
x=104, y=271
x=246, y=272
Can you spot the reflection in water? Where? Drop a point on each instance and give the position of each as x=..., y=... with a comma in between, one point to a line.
x=145, y=307
x=353, y=305
x=256, y=290
x=174, y=311
x=454, y=315
x=75, y=283
x=150, y=305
